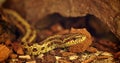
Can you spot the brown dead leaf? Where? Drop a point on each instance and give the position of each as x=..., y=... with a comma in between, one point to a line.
x=63, y=31
x=13, y=56
x=67, y=53
x=20, y=50
x=8, y=42
x=17, y=48
x=4, y=52
x=92, y=49
x=81, y=47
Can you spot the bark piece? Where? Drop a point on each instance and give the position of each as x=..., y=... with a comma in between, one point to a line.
x=4, y=52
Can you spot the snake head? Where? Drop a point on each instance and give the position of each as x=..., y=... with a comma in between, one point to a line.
x=73, y=39
x=81, y=38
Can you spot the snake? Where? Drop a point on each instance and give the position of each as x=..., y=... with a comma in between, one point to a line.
x=48, y=44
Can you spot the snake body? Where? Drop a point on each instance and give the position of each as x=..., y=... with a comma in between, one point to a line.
x=56, y=41
x=50, y=43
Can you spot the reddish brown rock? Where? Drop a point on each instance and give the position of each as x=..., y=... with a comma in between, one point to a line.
x=108, y=11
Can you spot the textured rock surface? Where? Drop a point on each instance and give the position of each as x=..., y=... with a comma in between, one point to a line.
x=34, y=10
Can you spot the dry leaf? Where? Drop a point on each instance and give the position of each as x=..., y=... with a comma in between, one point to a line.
x=13, y=56
x=8, y=42
x=92, y=49
x=17, y=48
x=67, y=53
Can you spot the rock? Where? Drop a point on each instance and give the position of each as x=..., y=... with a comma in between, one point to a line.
x=107, y=11
x=8, y=42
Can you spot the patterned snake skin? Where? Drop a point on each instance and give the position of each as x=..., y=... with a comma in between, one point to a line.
x=50, y=43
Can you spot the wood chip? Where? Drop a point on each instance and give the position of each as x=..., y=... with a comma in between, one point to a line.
x=63, y=61
x=4, y=52
x=25, y=57
x=67, y=53
x=92, y=49
x=73, y=57
x=31, y=62
x=17, y=48
x=13, y=56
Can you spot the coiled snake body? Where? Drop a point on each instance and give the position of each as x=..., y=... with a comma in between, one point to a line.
x=50, y=43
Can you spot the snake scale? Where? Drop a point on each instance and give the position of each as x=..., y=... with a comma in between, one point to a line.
x=50, y=43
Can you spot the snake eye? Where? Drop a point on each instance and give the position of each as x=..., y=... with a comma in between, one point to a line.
x=74, y=38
